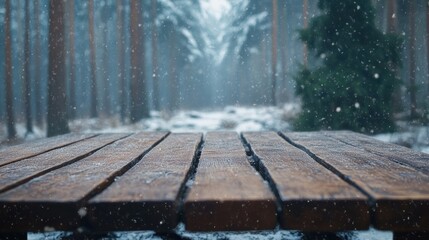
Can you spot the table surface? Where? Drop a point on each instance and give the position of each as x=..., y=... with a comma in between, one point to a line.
x=218, y=181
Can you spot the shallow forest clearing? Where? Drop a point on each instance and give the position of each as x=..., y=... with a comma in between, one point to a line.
x=220, y=181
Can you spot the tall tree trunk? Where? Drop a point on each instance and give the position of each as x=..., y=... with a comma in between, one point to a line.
x=283, y=49
x=106, y=84
x=264, y=70
x=93, y=80
x=274, y=54
x=155, y=66
x=427, y=49
x=138, y=107
x=412, y=53
x=11, y=131
x=120, y=33
x=20, y=102
x=391, y=28
x=172, y=73
x=57, y=106
x=37, y=66
x=72, y=69
x=106, y=75
x=391, y=16
x=27, y=80
x=305, y=19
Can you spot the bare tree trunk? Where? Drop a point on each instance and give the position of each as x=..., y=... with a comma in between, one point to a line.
x=391, y=16
x=283, y=49
x=120, y=33
x=172, y=73
x=264, y=70
x=11, y=131
x=105, y=83
x=274, y=54
x=93, y=85
x=27, y=80
x=72, y=69
x=57, y=102
x=154, y=38
x=305, y=18
x=37, y=63
x=138, y=107
x=427, y=48
x=391, y=28
x=412, y=52
x=106, y=75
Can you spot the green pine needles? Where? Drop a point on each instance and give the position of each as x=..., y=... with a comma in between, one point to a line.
x=352, y=82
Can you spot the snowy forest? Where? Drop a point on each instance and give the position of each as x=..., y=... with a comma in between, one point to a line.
x=130, y=65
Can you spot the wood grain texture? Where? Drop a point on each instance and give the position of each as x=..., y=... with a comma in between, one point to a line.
x=228, y=193
x=56, y=199
x=147, y=196
x=36, y=147
x=312, y=197
x=400, y=193
x=19, y=172
x=394, y=152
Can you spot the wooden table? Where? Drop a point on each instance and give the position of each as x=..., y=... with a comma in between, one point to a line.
x=220, y=181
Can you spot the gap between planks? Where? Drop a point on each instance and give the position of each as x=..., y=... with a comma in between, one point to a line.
x=329, y=167
x=271, y=153
x=400, y=194
x=61, y=211
x=37, y=147
x=154, y=189
x=24, y=177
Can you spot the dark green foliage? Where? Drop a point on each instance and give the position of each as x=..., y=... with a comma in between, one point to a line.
x=352, y=85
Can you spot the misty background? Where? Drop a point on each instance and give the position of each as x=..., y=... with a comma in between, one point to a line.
x=233, y=58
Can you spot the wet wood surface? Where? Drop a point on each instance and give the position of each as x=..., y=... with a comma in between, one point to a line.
x=394, y=152
x=313, y=182
x=312, y=197
x=22, y=171
x=148, y=195
x=36, y=147
x=55, y=199
x=399, y=194
x=228, y=193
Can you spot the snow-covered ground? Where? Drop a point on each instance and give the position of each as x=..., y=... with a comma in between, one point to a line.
x=257, y=235
x=415, y=137
x=229, y=118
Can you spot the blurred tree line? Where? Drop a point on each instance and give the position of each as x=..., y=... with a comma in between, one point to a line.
x=66, y=60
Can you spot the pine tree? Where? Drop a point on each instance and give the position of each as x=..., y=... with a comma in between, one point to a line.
x=120, y=33
x=138, y=105
x=72, y=66
x=27, y=77
x=10, y=118
x=352, y=86
x=154, y=45
x=93, y=85
x=274, y=33
x=57, y=109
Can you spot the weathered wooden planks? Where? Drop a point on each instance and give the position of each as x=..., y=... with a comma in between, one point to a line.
x=56, y=199
x=147, y=196
x=228, y=194
x=13, y=174
x=400, y=154
x=36, y=147
x=312, y=197
x=322, y=181
x=400, y=194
